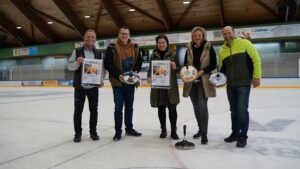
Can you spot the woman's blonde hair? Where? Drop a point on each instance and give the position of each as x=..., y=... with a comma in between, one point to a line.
x=202, y=30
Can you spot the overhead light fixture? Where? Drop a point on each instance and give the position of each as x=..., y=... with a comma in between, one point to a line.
x=87, y=16
x=50, y=22
x=131, y=10
x=186, y=2
x=19, y=27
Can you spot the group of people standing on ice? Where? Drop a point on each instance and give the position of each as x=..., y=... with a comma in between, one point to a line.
x=238, y=60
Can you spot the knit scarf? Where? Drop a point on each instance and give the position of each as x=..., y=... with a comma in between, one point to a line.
x=123, y=50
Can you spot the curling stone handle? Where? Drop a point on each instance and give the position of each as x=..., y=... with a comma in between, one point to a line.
x=184, y=130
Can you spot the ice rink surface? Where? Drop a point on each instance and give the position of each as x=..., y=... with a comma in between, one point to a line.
x=36, y=132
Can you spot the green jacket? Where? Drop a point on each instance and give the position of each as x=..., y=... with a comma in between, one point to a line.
x=240, y=62
x=173, y=92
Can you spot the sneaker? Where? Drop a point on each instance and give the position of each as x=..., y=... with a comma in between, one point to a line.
x=77, y=138
x=233, y=137
x=242, y=142
x=133, y=133
x=197, y=135
x=94, y=136
x=117, y=137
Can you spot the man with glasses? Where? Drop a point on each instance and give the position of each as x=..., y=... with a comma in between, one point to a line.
x=121, y=57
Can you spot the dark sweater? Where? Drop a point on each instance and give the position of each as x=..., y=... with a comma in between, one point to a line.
x=197, y=52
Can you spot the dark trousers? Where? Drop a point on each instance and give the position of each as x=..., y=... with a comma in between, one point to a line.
x=199, y=102
x=79, y=99
x=239, y=100
x=172, y=116
x=123, y=95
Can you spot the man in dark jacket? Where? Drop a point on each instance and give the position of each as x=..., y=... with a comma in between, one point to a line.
x=240, y=61
x=121, y=57
x=81, y=91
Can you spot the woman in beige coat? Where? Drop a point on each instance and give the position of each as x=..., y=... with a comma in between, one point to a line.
x=202, y=56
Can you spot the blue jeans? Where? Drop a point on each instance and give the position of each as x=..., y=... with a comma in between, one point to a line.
x=239, y=101
x=123, y=95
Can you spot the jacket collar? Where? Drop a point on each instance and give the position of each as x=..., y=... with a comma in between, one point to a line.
x=156, y=53
x=87, y=48
x=235, y=39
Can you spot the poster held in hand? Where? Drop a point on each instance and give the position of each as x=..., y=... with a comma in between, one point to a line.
x=92, y=72
x=161, y=74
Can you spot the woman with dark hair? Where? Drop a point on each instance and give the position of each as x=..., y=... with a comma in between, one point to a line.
x=165, y=98
x=200, y=54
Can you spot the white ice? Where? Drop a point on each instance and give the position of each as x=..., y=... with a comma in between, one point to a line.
x=36, y=132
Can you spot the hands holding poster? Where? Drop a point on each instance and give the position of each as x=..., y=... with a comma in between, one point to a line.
x=161, y=74
x=92, y=70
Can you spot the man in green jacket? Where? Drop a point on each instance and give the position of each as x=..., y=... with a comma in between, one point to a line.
x=241, y=63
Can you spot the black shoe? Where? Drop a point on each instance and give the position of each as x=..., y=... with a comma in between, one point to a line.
x=233, y=137
x=242, y=141
x=117, y=137
x=94, y=136
x=163, y=133
x=133, y=133
x=204, y=139
x=77, y=138
x=197, y=135
x=174, y=135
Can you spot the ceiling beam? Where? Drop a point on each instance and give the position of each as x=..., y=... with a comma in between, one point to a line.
x=185, y=12
x=143, y=12
x=53, y=18
x=31, y=25
x=164, y=11
x=222, y=14
x=32, y=33
x=36, y=20
x=78, y=25
x=2, y=30
x=98, y=17
x=264, y=6
x=113, y=12
x=9, y=27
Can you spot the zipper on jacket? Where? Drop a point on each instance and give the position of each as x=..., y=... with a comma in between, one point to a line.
x=231, y=63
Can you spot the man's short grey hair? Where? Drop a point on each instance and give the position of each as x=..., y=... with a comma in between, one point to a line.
x=90, y=30
x=228, y=27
